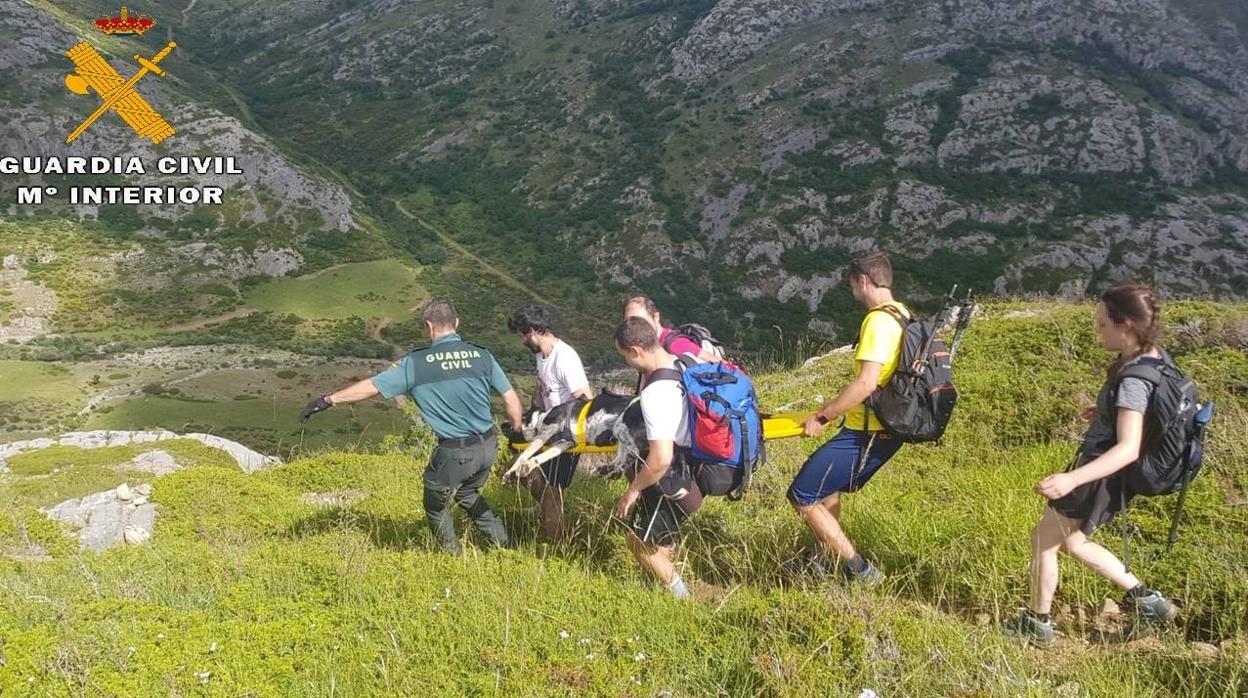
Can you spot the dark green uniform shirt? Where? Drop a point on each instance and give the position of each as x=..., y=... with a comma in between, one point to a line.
x=450, y=380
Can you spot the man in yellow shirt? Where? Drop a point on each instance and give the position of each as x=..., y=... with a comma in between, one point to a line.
x=862, y=447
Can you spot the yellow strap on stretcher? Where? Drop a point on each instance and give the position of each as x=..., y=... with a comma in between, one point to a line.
x=776, y=426
x=581, y=434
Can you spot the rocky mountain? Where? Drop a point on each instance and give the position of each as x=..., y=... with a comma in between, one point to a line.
x=272, y=211
x=741, y=150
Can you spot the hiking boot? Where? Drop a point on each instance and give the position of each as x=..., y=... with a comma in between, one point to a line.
x=869, y=576
x=1153, y=608
x=1030, y=627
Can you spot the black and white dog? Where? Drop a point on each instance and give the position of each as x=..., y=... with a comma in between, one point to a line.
x=612, y=419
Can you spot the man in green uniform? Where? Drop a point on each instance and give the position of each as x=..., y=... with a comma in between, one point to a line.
x=450, y=380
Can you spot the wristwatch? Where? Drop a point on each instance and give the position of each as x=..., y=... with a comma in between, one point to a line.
x=821, y=418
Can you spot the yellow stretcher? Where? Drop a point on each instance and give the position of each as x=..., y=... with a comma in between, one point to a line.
x=775, y=426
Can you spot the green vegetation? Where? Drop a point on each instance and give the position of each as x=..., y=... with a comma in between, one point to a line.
x=46, y=477
x=972, y=65
x=237, y=393
x=380, y=289
x=255, y=408
x=25, y=380
x=268, y=425
x=248, y=589
x=946, y=267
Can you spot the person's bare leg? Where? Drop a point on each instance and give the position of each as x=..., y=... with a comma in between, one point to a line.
x=832, y=503
x=656, y=559
x=1046, y=539
x=827, y=529
x=1100, y=559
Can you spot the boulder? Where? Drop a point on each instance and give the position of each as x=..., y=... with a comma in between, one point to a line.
x=104, y=519
x=156, y=462
x=247, y=459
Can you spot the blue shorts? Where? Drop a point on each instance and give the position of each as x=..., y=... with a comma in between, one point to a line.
x=834, y=467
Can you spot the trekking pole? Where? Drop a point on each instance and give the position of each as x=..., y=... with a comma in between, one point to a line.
x=1126, y=560
x=920, y=362
x=951, y=298
x=965, y=311
x=1178, y=510
x=1203, y=415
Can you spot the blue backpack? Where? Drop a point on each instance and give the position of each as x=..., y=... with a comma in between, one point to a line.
x=725, y=427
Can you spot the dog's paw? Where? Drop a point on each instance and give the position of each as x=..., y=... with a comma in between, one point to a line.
x=518, y=471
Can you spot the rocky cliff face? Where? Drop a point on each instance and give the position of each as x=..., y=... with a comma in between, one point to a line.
x=1101, y=141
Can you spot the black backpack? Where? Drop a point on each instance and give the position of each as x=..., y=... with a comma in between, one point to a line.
x=695, y=333
x=1173, y=447
x=1174, y=438
x=917, y=402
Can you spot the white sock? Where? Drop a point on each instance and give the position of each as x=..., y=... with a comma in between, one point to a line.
x=678, y=588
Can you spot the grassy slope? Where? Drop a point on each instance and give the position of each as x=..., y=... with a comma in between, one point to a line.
x=24, y=380
x=381, y=289
x=257, y=405
x=49, y=476
x=298, y=600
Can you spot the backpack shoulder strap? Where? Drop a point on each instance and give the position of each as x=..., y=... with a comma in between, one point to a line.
x=664, y=374
x=889, y=310
x=1147, y=368
x=671, y=337
x=676, y=332
x=677, y=374
x=894, y=312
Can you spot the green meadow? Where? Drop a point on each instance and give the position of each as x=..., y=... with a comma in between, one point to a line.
x=379, y=289
x=25, y=380
x=248, y=589
x=269, y=424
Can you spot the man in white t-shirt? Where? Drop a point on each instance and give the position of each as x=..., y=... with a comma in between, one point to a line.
x=560, y=378
x=662, y=493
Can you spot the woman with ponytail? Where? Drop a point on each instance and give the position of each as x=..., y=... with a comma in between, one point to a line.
x=1092, y=490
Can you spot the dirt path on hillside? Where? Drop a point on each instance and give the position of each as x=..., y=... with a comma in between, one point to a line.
x=501, y=274
x=374, y=331
x=453, y=244
x=204, y=322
